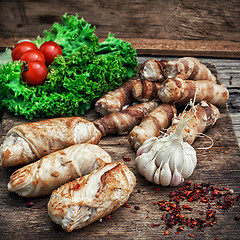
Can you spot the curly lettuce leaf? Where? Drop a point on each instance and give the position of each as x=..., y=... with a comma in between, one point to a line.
x=85, y=72
x=71, y=34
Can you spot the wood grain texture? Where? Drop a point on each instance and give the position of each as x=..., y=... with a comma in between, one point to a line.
x=166, y=47
x=173, y=19
x=218, y=165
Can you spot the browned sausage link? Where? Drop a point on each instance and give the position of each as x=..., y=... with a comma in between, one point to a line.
x=181, y=91
x=188, y=68
x=151, y=126
x=123, y=121
x=144, y=90
x=203, y=116
x=113, y=101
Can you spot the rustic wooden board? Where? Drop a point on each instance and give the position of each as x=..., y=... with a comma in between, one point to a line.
x=218, y=165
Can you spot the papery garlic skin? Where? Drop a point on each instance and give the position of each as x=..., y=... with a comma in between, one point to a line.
x=166, y=161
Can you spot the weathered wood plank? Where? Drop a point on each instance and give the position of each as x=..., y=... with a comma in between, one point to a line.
x=211, y=20
x=167, y=47
x=219, y=165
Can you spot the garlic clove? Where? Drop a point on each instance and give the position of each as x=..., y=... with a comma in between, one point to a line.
x=176, y=178
x=149, y=171
x=146, y=146
x=141, y=162
x=189, y=161
x=156, y=177
x=166, y=175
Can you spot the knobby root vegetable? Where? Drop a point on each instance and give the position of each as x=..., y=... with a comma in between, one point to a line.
x=185, y=68
x=123, y=121
x=152, y=70
x=152, y=125
x=50, y=172
x=188, y=68
x=114, y=100
x=203, y=116
x=181, y=91
x=144, y=90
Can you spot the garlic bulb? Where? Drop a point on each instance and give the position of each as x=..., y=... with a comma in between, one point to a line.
x=167, y=160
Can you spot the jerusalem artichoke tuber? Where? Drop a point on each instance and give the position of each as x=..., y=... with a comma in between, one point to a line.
x=152, y=70
x=204, y=115
x=114, y=101
x=185, y=68
x=188, y=68
x=151, y=126
x=123, y=121
x=144, y=90
x=181, y=91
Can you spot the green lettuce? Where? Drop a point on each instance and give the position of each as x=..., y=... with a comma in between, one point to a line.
x=86, y=70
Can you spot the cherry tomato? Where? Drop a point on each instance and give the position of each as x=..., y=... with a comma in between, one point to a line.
x=34, y=73
x=50, y=50
x=21, y=48
x=33, y=55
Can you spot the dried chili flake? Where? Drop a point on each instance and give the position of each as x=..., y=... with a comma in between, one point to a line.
x=187, y=207
x=166, y=232
x=126, y=159
x=212, y=196
x=155, y=225
x=126, y=205
x=215, y=192
x=108, y=217
x=180, y=229
x=29, y=204
x=191, y=235
x=188, y=182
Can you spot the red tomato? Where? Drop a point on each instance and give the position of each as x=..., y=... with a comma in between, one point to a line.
x=21, y=48
x=33, y=55
x=34, y=73
x=50, y=50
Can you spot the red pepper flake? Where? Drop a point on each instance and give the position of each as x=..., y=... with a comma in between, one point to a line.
x=108, y=217
x=188, y=182
x=176, y=232
x=213, y=197
x=191, y=235
x=166, y=232
x=180, y=229
x=29, y=204
x=126, y=159
x=125, y=205
x=215, y=192
x=158, y=189
x=155, y=225
x=76, y=187
x=187, y=207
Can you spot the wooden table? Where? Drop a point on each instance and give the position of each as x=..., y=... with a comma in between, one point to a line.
x=218, y=165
